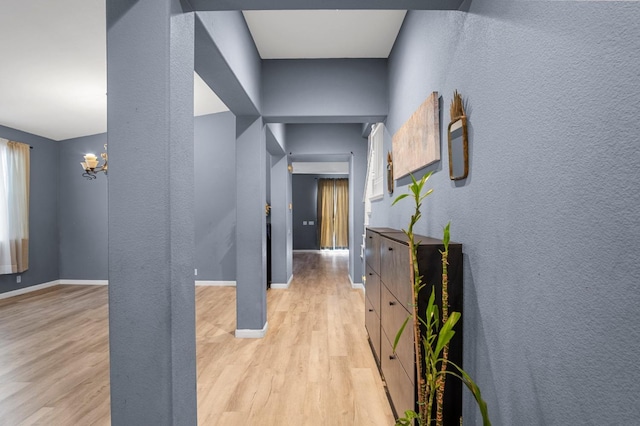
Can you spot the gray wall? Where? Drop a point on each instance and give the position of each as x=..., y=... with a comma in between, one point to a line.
x=215, y=186
x=548, y=216
x=83, y=204
x=324, y=90
x=281, y=221
x=83, y=213
x=305, y=208
x=336, y=142
x=43, y=212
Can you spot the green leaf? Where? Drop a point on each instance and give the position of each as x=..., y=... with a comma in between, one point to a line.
x=475, y=391
x=446, y=236
x=399, y=333
x=446, y=333
x=398, y=198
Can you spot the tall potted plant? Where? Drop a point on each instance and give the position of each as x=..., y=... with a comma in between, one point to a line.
x=432, y=344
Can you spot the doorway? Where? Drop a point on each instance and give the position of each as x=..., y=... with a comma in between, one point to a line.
x=333, y=213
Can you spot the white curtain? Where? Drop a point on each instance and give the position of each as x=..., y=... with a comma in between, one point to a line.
x=14, y=206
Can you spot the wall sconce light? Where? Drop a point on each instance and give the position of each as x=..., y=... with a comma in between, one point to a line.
x=90, y=165
x=290, y=168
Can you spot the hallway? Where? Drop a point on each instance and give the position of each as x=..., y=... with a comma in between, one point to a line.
x=314, y=366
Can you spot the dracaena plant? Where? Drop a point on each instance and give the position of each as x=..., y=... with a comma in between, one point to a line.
x=432, y=347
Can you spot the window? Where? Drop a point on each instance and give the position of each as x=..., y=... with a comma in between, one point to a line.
x=14, y=207
x=375, y=168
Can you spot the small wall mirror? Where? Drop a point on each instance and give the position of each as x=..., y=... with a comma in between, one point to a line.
x=458, y=149
x=458, y=142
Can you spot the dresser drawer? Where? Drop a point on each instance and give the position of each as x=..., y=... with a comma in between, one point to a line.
x=400, y=387
x=372, y=250
x=372, y=323
x=395, y=270
x=372, y=288
x=392, y=315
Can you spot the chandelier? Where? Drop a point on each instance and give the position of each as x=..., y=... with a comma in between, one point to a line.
x=90, y=165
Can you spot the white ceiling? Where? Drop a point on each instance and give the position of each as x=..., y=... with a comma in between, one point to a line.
x=286, y=34
x=53, y=53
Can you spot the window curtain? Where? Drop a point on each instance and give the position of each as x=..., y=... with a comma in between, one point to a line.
x=14, y=206
x=325, y=212
x=333, y=213
x=342, y=213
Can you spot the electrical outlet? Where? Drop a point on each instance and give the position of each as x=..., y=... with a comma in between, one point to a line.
x=196, y=271
x=19, y=279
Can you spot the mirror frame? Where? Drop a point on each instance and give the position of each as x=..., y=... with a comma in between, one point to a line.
x=465, y=148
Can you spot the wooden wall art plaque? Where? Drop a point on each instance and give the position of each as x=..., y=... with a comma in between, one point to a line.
x=417, y=143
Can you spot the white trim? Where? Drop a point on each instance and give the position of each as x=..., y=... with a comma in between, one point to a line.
x=306, y=251
x=216, y=283
x=249, y=333
x=83, y=282
x=29, y=289
x=282, y=286
x=355, y=286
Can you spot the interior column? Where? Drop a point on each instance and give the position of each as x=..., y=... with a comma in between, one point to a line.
x=150, y=64
x=251, y=223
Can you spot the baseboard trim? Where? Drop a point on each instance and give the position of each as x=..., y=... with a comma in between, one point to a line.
x=29, y=289
x=251, y=333
x=355, y=286
x=306, y=251
x=282, y=286
x=216, y=283
x=83, y=282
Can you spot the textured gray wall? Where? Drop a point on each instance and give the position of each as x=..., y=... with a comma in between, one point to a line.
x=251, y=240
x=324, y=142
x=215, y=191
x=151, y=213
x=281, y=223
x=83, y=204
x=83, y=213
x=43, y=212
x=227, y=59
x=548, y=215
x=324, y=90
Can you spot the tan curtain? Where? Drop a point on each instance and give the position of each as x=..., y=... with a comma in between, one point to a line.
x=325, y=212
x=14, y=206
x=342, y=213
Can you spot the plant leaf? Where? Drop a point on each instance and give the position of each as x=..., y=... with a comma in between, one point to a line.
x=475, y=391
x=399, y=333
x=398, y=198
x=446, y=236
x=446, y=332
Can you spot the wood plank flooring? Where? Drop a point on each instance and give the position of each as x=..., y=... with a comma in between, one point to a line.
x=314, y=366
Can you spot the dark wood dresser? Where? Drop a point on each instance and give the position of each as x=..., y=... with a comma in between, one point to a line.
x=388, y=302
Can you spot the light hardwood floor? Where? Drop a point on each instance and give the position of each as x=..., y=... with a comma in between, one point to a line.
x=314, y=366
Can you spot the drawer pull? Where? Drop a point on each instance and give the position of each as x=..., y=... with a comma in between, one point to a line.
x=392, y=357
x=392, y=303
x=370, y=273
x=370, y=237
x=390, y=248
x=370, y=310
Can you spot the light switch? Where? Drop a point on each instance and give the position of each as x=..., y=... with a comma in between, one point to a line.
x=304, y=222
x=311, y=222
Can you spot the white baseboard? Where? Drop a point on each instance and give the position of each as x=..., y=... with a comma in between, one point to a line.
x=252, y=334
x=216, y=283
x=29, y=289
x=306, y=251
x=282, y=286
x=83, y=282
x=356, y=286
